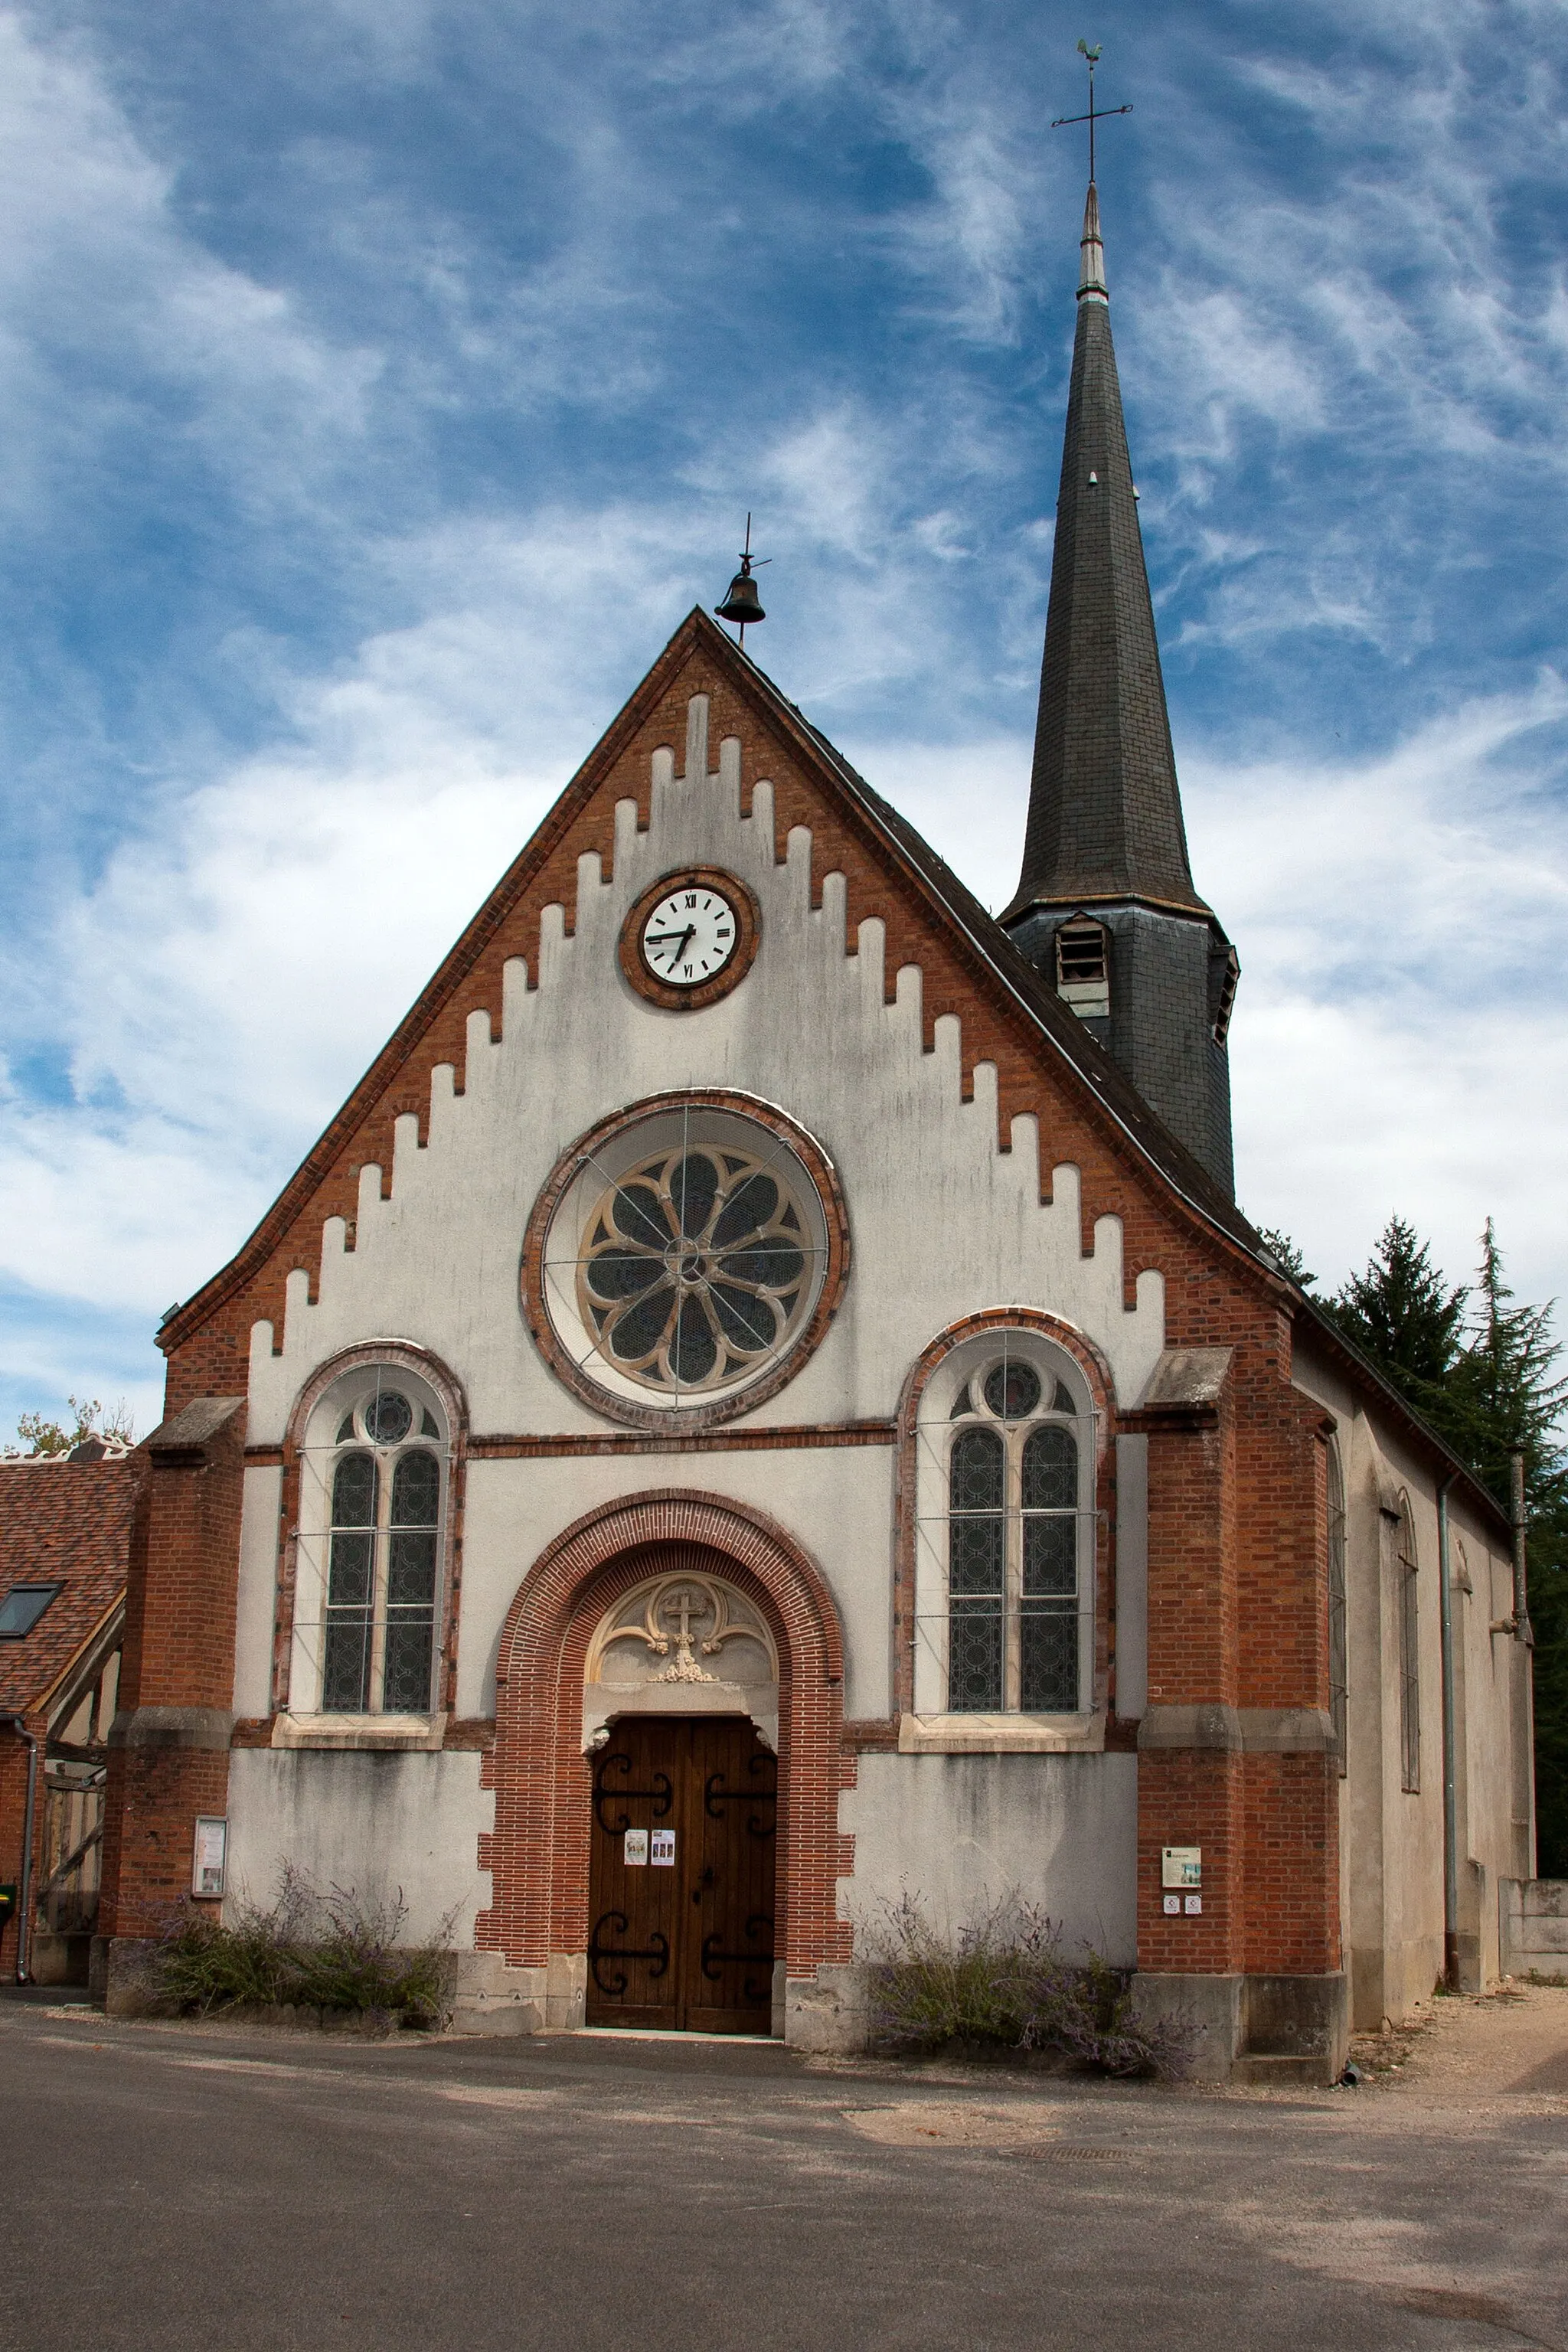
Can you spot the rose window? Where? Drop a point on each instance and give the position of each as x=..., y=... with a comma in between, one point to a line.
x=686, y=1255
x=695, y=1267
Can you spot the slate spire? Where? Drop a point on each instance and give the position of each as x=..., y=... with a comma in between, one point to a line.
x=1105, y=841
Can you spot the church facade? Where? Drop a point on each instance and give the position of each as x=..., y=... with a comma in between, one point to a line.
x=762, y=1404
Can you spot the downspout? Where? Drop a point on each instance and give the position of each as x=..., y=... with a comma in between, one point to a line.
x=24, y=1898
x=1450, y=1791
x=1521, y=1625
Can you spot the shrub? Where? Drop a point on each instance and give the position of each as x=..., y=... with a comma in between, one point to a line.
x=332, y=1952
x=1004, y=1981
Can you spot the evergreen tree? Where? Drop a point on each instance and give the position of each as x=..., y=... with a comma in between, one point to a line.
x=1504, y=1394
x=1292, y=1261
x=1401, y=1313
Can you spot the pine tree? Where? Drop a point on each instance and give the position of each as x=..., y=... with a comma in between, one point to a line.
x=1506, y=1396
x=1403, y=1315
x=1292, y=1261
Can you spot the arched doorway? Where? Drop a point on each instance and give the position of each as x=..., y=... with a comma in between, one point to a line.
x=558, y=1718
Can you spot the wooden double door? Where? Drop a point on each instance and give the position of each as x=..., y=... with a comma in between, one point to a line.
x=681, y=1876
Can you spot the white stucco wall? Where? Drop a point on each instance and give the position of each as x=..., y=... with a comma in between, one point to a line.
x=375, y=1823
x=944, y=1222
x=835, y=1501
x=1392, y=1837
x=259, y=1541
x=958, y=1834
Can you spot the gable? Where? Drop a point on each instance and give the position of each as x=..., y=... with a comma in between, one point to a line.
x=1029, y=1058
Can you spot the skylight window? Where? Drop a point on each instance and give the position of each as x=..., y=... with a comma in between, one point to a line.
x=22, y=1608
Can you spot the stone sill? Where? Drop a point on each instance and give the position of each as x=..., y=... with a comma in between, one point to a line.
x=418, y=1732
x=1002, y=1735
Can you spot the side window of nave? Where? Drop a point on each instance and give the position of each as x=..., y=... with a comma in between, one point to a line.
x=1017, y=1630
x=370, y=1593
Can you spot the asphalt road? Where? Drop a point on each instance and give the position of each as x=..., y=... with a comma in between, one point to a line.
x=167, y=2189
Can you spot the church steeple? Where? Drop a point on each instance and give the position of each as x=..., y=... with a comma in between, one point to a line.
x=1105, y=850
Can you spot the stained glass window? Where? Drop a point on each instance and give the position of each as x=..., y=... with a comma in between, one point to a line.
x=382, y=1560
x=1014, y=1598
x=696, y=1268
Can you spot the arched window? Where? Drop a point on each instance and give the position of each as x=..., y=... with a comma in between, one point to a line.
x=1016, y=1596
x=379, y=1467
x=1339, y=1645
x=1409, y=1651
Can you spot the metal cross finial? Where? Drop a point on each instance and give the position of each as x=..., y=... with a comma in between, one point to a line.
x=1096, y=113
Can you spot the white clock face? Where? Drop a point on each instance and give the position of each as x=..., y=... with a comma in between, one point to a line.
x=690, y=936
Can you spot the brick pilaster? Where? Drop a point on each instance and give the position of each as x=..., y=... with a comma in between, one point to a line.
x=169, y=1743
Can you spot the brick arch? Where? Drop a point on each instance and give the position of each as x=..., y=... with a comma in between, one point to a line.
x=537, y=1851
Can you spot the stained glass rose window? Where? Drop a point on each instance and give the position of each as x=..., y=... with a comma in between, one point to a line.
x=687, y=1257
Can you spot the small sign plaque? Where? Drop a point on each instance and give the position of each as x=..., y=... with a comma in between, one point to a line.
x=662, y=1850
x=1192, y=1905
x=1181, y=1865
x=635, y=1851
x=1173, y=1905
x=209, y=1856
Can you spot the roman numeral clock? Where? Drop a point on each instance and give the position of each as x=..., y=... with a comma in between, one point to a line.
x=689, y=938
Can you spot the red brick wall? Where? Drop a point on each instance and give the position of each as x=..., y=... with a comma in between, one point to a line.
x=1239, y=1619
x=181, y=1599
x=537, y=1851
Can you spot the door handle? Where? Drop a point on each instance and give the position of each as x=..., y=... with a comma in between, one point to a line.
x=706, y=1880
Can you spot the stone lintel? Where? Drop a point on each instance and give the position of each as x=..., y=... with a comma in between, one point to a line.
x=1239, y=1730
x=199, y=1728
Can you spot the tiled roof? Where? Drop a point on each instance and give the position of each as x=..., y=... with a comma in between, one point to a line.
x=71, y=1522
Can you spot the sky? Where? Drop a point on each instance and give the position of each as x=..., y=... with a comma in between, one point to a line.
x=381, y=380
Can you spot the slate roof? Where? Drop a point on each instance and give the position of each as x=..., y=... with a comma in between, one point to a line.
x=1105, y=813
x=69, y=1521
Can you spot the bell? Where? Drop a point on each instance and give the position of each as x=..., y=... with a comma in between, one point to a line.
x=742, y=603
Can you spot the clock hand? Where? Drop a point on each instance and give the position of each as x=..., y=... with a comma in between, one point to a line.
x=688, y=934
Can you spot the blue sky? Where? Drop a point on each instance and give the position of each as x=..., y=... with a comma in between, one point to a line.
x=381, y=381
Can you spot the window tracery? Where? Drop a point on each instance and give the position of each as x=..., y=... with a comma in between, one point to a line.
x=376, y=1477
x=684, y=1258
x=1005, y=1469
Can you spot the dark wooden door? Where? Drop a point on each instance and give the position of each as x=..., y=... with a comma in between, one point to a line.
x=681, y=1866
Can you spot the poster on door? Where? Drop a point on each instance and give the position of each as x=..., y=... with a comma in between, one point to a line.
x=635, y=1851
x=661, y=1850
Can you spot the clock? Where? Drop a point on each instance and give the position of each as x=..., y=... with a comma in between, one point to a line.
x=689, y=938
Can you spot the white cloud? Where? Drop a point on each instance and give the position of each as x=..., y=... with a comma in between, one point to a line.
x=1401, y=1037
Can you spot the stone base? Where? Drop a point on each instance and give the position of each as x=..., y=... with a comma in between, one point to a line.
x=55, y=1959
x=1254, y=2028
x=1206, y=2011
x=1534, y=1927
x=121, y=1978
x=829, y=2012
x=491, y=1998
